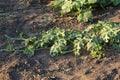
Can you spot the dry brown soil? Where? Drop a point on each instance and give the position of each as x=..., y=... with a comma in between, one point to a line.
x=32, y=17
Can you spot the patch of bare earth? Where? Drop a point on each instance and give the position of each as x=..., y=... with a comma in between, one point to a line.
x=32, y=17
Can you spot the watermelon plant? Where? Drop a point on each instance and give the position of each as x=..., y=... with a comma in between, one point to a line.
x=82, y=8
x=94, y=39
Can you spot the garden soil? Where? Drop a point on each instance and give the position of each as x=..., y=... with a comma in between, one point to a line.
x=34, y=16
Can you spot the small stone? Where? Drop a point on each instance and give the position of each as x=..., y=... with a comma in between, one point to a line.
x=98, y=78
x=88, y=72
x=115, y=71
x=98, y=62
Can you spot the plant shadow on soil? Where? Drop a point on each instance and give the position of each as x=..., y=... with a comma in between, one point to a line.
x=42, y=66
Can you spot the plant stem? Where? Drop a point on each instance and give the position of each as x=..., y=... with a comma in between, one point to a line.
x=17, y=49
x=11, y=51
x=17, y=39
x=67, y=51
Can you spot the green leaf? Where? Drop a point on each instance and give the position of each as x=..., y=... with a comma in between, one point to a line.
x=29, y=50
x=85, y=16
x=116, y=2
x=78, y=45
x=98, y=54
x=92, y=1
x=10, y=48
x=58, y=3
x=21, y=35
x=29, y=40
x=79, y=3
x=58, y=47
x=67, y=6
x=108, y=32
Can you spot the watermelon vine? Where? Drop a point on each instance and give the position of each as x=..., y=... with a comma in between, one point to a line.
x=82, y=8
x=93, y=39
